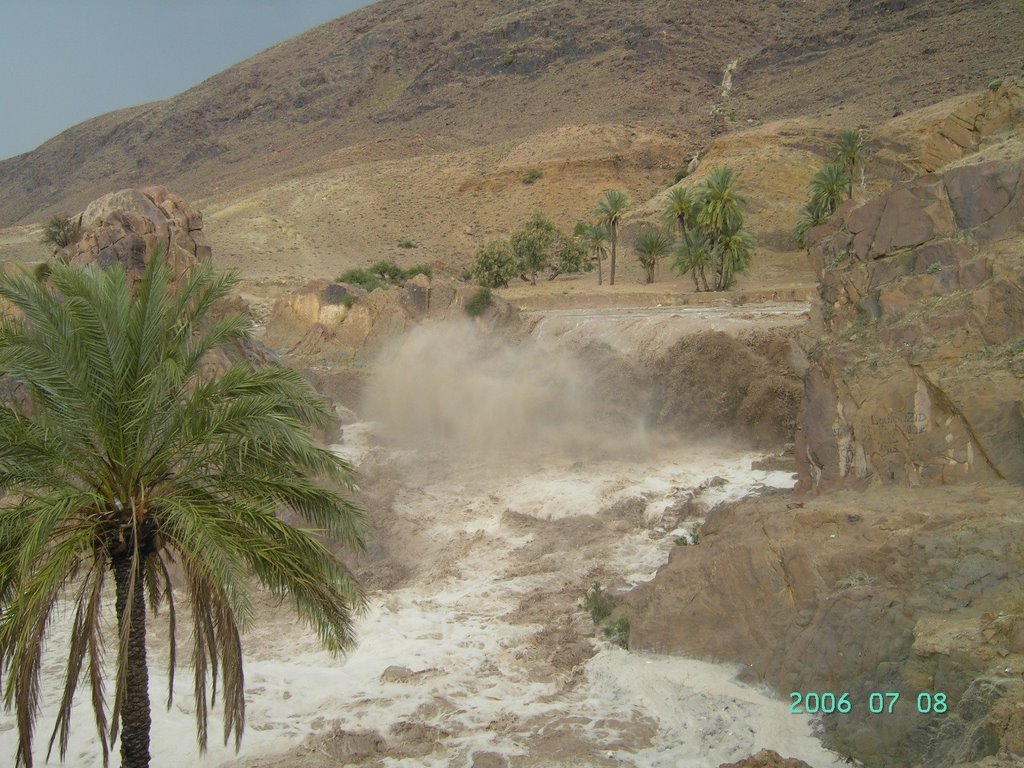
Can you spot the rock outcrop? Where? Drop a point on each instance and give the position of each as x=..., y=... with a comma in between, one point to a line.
x=962, y=132
x=124, y=227
x=338, y=323
x=916, y=374
x=767, y=758
x=891, y=589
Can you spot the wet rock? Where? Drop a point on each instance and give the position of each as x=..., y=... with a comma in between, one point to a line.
x=489, y=760
x=397, y=674
x=767, y=758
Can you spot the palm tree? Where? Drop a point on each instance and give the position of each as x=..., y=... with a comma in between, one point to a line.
x=811, y=216
x=827, y=188
x=721, y=214
x=594, y=238
x=651, y=246
x=693, y=255
x=849, y=154
x=736, y=247
x=609, y=213
x=681, y=203
x=129, y=464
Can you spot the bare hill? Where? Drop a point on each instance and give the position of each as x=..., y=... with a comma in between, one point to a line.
x=417, y=119
x=454, y=74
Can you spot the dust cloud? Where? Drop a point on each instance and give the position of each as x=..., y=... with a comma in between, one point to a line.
x=450, y=388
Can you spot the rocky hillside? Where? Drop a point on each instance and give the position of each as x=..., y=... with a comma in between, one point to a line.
x=916, y=365
x=628, y=90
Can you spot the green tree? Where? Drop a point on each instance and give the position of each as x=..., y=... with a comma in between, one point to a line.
x=681, y=204
x=61, y=231
x=721, y=218
x=494, y=264
x=570, y=255
x=827, y=189
x=849, y=153
x=735, y=255
x=594, y=238
x=693, y=255
x=127, y=462
x=651, y=246
x=532, y=245
x=609, y=213
x=811, y=216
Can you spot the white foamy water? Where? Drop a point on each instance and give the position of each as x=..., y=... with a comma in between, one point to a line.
x=492, y=546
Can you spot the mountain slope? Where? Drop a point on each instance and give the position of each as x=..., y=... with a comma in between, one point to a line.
x=422, y=77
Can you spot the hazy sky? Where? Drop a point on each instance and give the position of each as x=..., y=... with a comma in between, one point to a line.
x=64, y=61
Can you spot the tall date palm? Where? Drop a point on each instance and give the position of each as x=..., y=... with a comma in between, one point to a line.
x=127, y=464
x=609, y=213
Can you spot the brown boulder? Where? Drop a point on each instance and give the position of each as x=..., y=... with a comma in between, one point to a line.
x=123, y=227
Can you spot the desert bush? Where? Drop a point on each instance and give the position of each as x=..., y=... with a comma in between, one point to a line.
x=681, y=174
x=62, y=231
x=598, y=603
x=617, y=631
x=479, y=302
x=531, y=176
x=383, y=274
x=406, y=243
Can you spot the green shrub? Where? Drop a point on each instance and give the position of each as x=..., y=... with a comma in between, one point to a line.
x=62, y=231
x=383, y=274
x=598, y=603
x=531, y=176
x=494, y=264
x=364, y=278
x=348, y=301
x=419, y=269
x=42, y=271
x=681, y=174
x=617, y=631
x=934, y=267
x=406, y=244
x=479, y=302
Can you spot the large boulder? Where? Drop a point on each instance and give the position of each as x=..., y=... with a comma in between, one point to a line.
x=915, y=369
x=124, y=227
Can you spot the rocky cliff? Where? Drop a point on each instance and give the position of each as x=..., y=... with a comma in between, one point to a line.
x=915, y=367
x=913, y=378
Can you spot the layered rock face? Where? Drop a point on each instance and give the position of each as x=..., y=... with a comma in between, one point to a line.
x=335, y=323
x=961, y=133
x=917, y=372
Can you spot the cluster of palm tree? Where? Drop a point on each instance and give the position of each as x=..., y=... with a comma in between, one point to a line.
x=833, y=184
x=128, y=466
x=712, y=239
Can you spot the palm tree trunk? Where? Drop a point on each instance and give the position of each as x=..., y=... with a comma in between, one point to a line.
x=135, y=712
x=600, y=276
x=704, y=278
x=611, y=269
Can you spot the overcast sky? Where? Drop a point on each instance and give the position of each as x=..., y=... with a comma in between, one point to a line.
x=64, y=61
